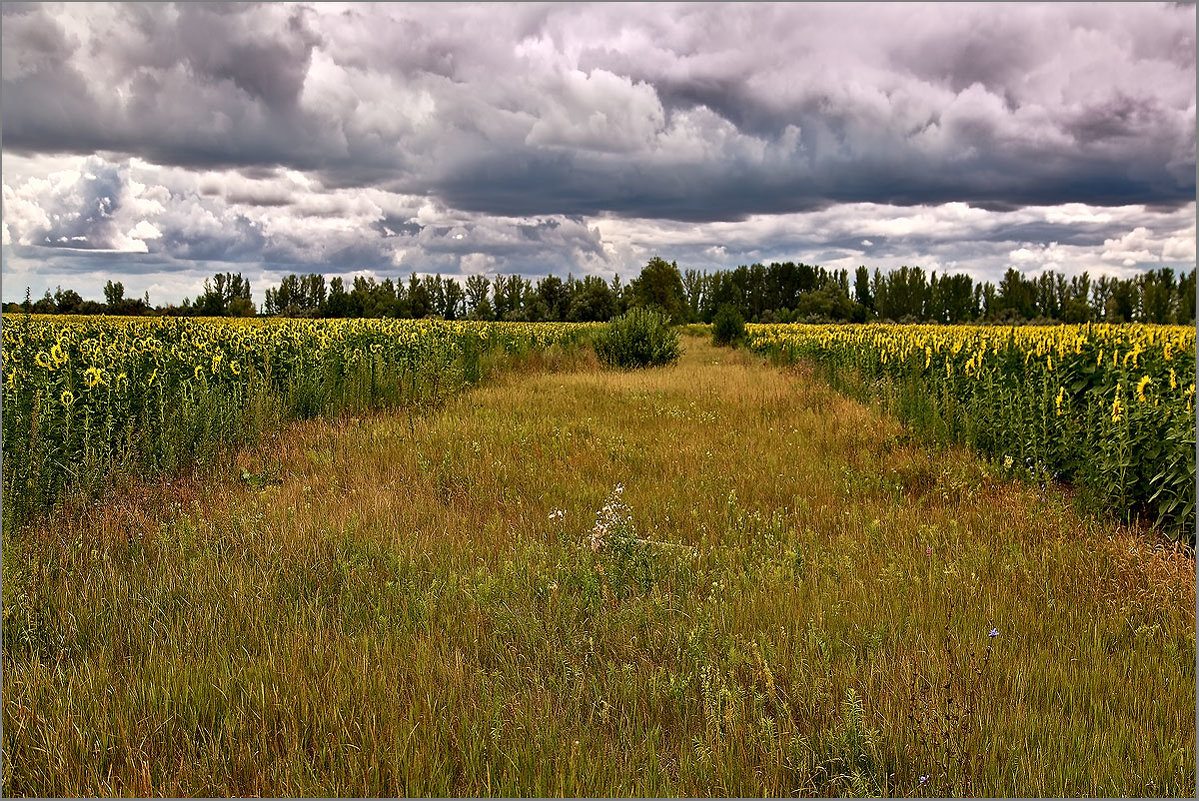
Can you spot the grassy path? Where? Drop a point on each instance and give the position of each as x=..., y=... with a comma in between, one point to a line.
x=401, y=605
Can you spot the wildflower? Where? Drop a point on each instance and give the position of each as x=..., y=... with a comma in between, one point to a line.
x=1008, y=461
x=67, y=398
x=994, y=632
x=199, y=372
x=1061, y=396
x=1173, y=379
x=924, y=779
x=928, y=550
x=598, y=535
x=1116, y=407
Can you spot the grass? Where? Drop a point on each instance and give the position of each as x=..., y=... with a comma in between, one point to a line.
x=800, y=604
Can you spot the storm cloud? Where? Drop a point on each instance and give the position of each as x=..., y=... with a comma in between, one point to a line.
x=585, y=138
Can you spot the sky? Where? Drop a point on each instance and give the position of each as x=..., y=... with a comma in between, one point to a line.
x=157, y=144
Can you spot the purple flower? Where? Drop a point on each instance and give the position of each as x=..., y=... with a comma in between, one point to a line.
x=924, y=779
x=994, y=633
x=928, y=550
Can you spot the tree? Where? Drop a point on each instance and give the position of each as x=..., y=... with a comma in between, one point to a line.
x=553, y=294
x=901, y=294
x=693, y=289
x=478, y=304
x=1076, y=307
x=620, y=296
x=113, y=293
x=219, y=293
x=1017, y=297
x=951, y=299
x=68, y=301
x=861, y=287
x=453, y=300
x=337, y=303
x=1122, y=302
x=45, y=305
x=511, y=295
x=1186, y=298
x=1157, y=296
x=660, y=285
x=593, y=301
x=419, y=300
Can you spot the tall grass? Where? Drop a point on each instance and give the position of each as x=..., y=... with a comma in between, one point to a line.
x=786, y=596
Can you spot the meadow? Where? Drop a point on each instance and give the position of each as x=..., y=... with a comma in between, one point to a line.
x=540, y=576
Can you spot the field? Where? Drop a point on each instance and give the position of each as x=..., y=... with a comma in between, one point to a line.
x=537, y=576
x=1109, y=409
x=86, y=397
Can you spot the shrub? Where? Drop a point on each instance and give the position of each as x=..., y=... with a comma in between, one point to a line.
x=728, y=328
x=640, y=338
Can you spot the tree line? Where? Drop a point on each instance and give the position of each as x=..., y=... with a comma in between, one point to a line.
x=778, y=292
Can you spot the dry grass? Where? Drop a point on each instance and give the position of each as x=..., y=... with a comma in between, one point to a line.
x=384, y=606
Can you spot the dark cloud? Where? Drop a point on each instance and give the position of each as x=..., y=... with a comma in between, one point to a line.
x=908, y=104
x=489, y=137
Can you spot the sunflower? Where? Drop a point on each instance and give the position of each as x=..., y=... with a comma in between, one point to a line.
x=1141, y=385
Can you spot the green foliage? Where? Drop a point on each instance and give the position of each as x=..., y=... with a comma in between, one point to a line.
x=660, y=286
x=639, y=338
x=728, y=327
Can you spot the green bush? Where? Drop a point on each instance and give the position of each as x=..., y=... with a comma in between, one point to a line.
x=727, y=327
x=639, y=338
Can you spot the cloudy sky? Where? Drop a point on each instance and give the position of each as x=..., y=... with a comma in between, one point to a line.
x=156, y=145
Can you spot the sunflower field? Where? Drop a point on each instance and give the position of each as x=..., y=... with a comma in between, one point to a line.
x=84, y=395
x=1109, y=409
